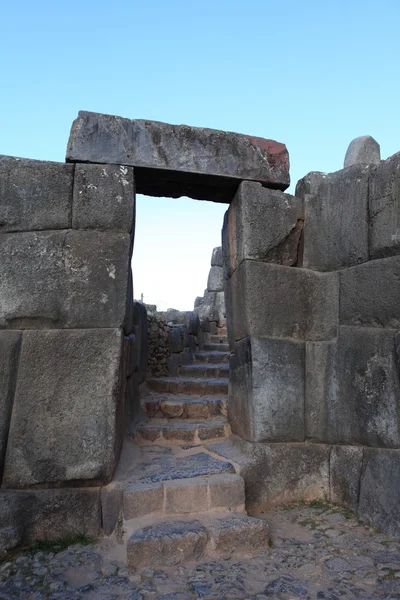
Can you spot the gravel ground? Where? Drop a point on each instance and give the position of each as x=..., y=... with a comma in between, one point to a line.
x=315, y=553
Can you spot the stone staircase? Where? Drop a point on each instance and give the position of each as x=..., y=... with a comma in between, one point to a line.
x=181, y=502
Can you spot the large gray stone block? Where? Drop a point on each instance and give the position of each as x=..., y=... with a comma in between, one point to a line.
x=276, y=301
x=34, y=194
x=345, y=473
x=380, y=490
x=261, y=224
x=215, y=281
x=177, y=160
x=361, y=151
x=353, y=390
x=384, y=208
x=104, y=198
x=10, y=342
x=216, y=258
x=369, y=294
x=67, y=407
x=266, y=390
x=336, y=218
x=59, y=279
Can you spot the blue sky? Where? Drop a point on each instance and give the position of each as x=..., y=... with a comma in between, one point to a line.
x=313, y=75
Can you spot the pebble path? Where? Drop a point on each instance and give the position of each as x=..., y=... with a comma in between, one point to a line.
x=315, y=553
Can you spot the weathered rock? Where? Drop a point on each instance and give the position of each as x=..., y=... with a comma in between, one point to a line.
x=215, y=280
x=238, y=532
x=104, y=198
x=345, y=472
x=168, y=543
x=336, y=218
x=277, y=301
x=186, y=496
x=266, y=390
x=141, y=333
x=369, y=294
x=65, y=420
x=226, y=491
x=61, y=279
x=34, y=194
x=362, y=150
x=111, y=497
x=177, y=160
x=277, y=474
x=10, y=343
x=216, y=257
x=352, y=389
x=199, y=301
x=142, y=499
x=380, y=490
x=175, y=340
x=261, y=224
x=384, y=208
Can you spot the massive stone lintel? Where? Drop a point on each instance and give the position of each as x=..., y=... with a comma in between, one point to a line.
x=178, y=160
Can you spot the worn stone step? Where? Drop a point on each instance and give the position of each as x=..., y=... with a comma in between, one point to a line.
x=217, y=339
x=212, y=347
x=172, y=406
x=205, y=370
x=176, y=541
x=185, y=496
x=183, y=431
x=188, y=385
x=212, y=357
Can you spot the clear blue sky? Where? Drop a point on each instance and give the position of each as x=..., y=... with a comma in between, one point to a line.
x=311, y=74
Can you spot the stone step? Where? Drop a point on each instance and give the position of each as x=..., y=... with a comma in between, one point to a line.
x=182, y=431
x=188, y=385
x=217, y=339
x=212, y=357
x=213, y=347
x=172, y=406
x=185, y=496
x=176, y=541
x=205, y=370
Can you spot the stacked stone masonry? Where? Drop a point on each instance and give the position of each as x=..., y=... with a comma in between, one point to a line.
x=310, y=286
x=210, y=308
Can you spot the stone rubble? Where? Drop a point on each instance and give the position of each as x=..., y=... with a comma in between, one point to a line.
x=315, y=553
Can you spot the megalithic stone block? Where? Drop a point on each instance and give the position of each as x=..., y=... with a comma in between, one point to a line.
x=283, y=302
x=66, y=415
x=266, y=390
x=261, y=224
x=73, y=279
x=336, y=218
x=177, y=160
x=384, y=208
x=353, y=389
x=104, y=198
x=216, y=258
x=369, y=294
x=10, y=343
x=34, y=194
x=215, y=281
x=362, y=150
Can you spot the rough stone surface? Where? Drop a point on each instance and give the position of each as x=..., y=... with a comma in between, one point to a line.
x=384, y=208
x=380, y=490
x=345, y=472
x=336, y=218
x=142, y=499
x=34, y=194
x=10, y=343
x=215, y=280
x=352, y=389
x=177, y=160
x=369, y=294
x=169, y=543
x=261, y=224
x=217, y=258
x=76, y=279
x=266, y=390
x=104, y=198
x=277, y=474
x=362, y=150
x=187, y=496
x=64, y=424
x=238, y=532
x=111, y=497
x=277, y=301
x=226, y=490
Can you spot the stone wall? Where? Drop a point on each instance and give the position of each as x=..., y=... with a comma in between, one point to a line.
x=68, y=358
x=211, y=307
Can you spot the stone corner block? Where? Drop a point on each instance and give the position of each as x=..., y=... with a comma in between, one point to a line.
x=104, y=197
x=34, y=194
x=67, y=408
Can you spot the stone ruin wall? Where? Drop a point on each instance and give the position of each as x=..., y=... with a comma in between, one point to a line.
x=311, y=293
x=211, y=307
